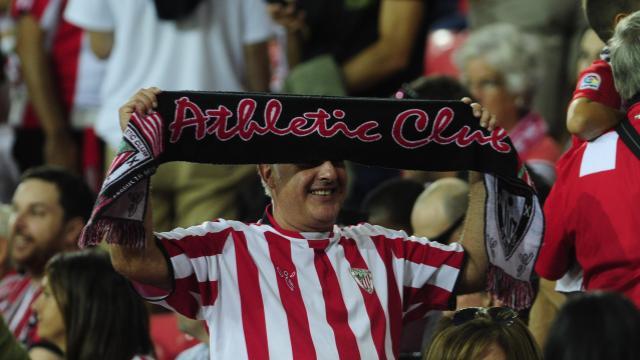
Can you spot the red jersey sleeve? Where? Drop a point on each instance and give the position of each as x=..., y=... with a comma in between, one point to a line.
x=596, y=83
x=35, y=8
x=557, y=250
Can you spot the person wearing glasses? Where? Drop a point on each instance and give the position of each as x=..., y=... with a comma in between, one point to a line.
x=494, y=333
x=500, y=67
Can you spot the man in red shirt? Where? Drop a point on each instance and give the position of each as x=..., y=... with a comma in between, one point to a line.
x=49, y=209
x=592, y=211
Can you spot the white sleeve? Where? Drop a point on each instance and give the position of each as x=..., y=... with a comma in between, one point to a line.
x=92, y=15
x=258, y=26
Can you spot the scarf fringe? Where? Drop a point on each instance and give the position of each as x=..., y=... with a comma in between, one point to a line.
x=122, y=232
x=514, y=293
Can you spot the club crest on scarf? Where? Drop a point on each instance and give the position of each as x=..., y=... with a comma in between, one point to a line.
x=363, y=278
x=514, y=227
x=514, y=217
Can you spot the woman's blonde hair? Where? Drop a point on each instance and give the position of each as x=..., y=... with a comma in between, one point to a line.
x=471, y=339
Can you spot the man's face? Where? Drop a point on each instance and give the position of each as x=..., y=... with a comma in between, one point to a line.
x=36, y=224
x=306, y=197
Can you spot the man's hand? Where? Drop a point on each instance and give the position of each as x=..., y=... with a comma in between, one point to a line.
x=288, y=16
x=142, y=103
x=487, y=119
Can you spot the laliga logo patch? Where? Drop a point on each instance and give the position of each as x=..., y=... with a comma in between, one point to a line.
x=590, y=81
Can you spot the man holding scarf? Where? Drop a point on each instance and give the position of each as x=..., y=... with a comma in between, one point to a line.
x=294, y=284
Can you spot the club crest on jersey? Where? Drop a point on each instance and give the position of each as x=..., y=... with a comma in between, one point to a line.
x=590, y=81
x=364, y=279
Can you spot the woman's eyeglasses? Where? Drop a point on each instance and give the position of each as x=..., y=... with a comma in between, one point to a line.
x=503, y=315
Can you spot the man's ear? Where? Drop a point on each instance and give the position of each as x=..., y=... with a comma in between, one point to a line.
x=618, y=18
x=267, y=174
x=72, y=229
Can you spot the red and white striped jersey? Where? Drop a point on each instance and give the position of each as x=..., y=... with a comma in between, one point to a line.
x=266, y=292
x=17, y=294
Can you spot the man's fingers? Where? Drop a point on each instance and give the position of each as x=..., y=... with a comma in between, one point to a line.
x=147, y=100
x=477, y=109
x=492, y=123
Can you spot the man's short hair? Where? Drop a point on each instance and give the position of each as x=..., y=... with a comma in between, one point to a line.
x=625, y=56
x=600, y=14
x=76, y=198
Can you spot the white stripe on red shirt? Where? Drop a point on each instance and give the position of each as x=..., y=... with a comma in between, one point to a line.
x=271, y=293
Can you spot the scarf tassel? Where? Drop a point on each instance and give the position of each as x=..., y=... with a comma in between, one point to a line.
x=128, y=233
x=515, y=293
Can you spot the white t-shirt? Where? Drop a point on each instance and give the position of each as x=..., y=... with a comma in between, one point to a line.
x=202, y=52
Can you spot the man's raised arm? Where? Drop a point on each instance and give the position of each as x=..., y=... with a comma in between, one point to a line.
x=474, y=271
x=146, y=265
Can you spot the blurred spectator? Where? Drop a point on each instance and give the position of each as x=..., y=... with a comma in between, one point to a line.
x=368, y=48
x=591, y=213
x=590, y=47
x=502, y=75
x=9, y=347
x=595, y=326
x=390, y=204
x=215, y=45
x=438, y=213
x=49, y=209
x=595, y=107
x=484, y=333
x=63, y=78
x=89, y=311
x=10, y=173
x=371, y=46
x=196, y=329
x=5, y=245
x=556, y=24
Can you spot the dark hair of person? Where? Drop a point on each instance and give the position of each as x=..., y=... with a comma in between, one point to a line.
x=595, y=326
x=394, y=198
x=600, y=14
x=103, y=316
x=76, y=198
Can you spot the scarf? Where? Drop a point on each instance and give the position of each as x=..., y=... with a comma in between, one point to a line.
x=243, y=128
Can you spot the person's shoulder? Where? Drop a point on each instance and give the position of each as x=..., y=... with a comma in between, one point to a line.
x=207, y=229
x=14, y=278
x=367, y=229
x=598, y=65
